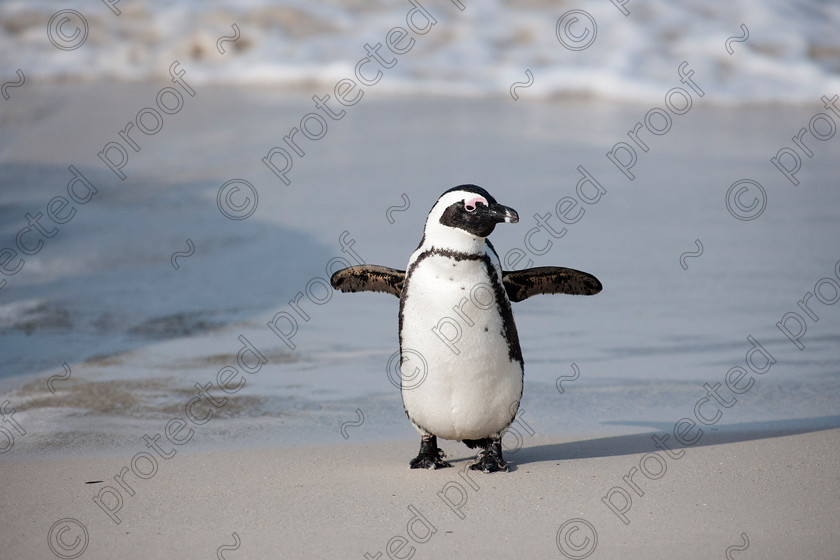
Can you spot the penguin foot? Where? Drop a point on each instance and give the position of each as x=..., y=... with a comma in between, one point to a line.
x=430, y=456
x=490, y=460
x=428, y=462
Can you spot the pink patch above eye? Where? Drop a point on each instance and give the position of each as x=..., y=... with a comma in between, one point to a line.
x=470, y=205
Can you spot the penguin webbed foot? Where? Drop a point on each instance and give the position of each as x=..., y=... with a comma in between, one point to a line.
x=490, y=459
x=430, y=456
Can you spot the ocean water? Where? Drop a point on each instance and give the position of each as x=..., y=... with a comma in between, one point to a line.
x=193, y=258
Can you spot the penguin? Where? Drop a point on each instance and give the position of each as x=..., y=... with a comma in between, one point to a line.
x=456, y=326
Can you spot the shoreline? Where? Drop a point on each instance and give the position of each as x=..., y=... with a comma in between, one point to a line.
x=117, y=418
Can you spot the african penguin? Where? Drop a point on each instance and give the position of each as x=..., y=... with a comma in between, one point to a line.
x=456, y=323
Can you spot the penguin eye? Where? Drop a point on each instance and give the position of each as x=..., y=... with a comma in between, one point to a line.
x=470, y=205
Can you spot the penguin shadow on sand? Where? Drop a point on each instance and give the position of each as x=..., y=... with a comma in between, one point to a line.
x=634, y=444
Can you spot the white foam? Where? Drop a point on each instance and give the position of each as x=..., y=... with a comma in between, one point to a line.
x=11, y=313
x=792, y=54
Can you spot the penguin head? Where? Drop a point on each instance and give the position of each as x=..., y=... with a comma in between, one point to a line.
x=466, y=210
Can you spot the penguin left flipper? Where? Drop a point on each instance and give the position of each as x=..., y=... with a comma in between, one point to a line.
x=522, y=284
x=369, y=278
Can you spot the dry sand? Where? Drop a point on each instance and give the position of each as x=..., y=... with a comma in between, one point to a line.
x=753, y=494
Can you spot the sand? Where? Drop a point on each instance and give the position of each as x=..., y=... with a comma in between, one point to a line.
x=756, y=494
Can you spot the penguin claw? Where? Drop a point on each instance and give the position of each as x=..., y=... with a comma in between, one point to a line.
x=430, y=461
x=489, y=463
x=490, y=459
x=430, y=456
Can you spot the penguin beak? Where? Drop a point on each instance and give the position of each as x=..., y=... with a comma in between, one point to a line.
x=499, y=213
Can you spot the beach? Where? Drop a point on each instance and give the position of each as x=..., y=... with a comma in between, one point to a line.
x=765, y=494
x=178, y=378
x=313, y=439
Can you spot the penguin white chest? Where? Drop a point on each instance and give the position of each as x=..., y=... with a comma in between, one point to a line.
x=452, y=317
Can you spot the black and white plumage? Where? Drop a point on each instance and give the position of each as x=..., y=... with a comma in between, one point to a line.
x=455, y=313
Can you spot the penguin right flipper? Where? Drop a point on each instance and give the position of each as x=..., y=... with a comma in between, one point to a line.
x=369, y=278
x=522, y=284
